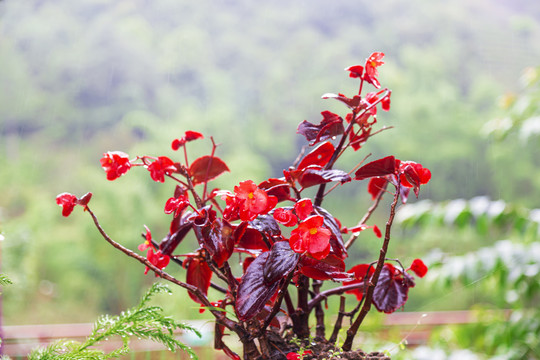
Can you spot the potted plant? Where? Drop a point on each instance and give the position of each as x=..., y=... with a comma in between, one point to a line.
x=289, y=245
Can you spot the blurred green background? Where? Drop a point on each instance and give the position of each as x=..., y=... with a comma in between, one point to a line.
x=80, y=78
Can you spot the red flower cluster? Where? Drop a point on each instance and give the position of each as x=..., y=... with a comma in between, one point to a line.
x=68, y=202
x=289, y=217
x=160, y=167
x=311, y=237
x=115, y=164
x=369, y=71
x=248, y=202
x=157, y=259
x=188, y=136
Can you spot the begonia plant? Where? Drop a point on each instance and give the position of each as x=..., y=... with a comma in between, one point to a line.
x=287, y=244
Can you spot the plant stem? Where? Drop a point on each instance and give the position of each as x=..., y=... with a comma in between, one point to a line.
x=351, y=333
x=365, y=218
x=339, y=320
x=220, y=317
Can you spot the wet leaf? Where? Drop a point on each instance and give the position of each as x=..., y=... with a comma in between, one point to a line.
x=318, y=156
x=329, y=268
x=315, y=175
x=198, y=274
x=253, y=292
x=392, y=290
x=206, y=168
x=381, y=167
x=281, y=261
x=331, y=125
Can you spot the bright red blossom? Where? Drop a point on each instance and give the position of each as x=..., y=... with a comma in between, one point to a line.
x=371, y=72
x=285, y=217
x=157, y=259
x=303, y=208
x=148, y=242
x=160, y=167
x=311, y=237
x=188, y=136
x=361, y=272
x=67, y=202
x=250, y=201
x=419, y=268
x=115, y=164
x=297, y=356
x=176, y=205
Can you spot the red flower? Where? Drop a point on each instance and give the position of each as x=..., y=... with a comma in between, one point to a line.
x=385, y=103
x=285, y=217
x=297, y=356
x=363, y=227
x=311, y=237
x=356, y=71
x=160, y=167
x=419, y=268
x=250, y=201
x=176, y=205
x=188, y=136
x=157, y=259
x=303, y=208
x=115, y=164
x=371, y=72
x=413, y=175
x=360, y=272
x=67, y=202
x=372, y=98
x=148, y=242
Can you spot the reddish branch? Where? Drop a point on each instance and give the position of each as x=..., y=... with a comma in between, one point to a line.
x=351, y=333
x=220, y=317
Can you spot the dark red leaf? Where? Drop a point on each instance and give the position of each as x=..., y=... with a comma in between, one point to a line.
x=329, y=268
x=331, y=125
x=218, y=240
x=252, y=239
x=336, y=241
x=173, y=239
x=314, y=175
x=351, y=103
x=266, y=224
x=281, y=261
x=392, y=290
x=198, y=274
x=253, y=292
x=381, y=167
x=318, y=156
x=206, y=168
x=376, y=185
x=277, y=187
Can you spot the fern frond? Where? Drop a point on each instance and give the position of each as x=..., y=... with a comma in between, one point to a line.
x=143, y=321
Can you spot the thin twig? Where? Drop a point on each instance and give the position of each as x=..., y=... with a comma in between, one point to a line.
x=351, y=333
x=220, y=317
x=364, y=219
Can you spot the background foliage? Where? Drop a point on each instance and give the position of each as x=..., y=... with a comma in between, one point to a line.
x=81, y=78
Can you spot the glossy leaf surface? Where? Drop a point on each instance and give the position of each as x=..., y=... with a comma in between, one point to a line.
x=392, y=290
x=206, y=168
x=381, y=167
x=253, y=292
x=281, y=261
